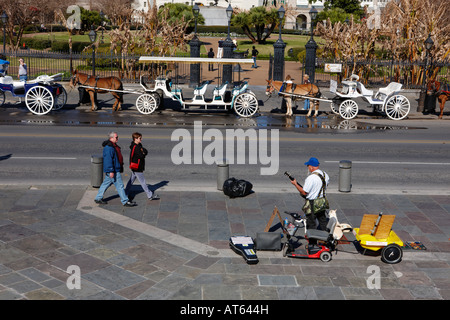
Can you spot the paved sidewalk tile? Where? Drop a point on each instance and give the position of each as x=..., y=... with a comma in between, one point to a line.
x=177, y=248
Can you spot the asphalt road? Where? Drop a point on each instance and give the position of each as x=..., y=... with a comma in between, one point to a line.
x=411, y=156
x=403, y=160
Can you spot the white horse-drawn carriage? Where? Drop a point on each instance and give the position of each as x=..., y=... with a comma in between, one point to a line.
x=386, y=100
x=238, y=98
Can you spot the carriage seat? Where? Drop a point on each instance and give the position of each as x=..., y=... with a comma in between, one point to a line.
x=241, y=88
x=392, y=87
x=361, y=89
x=220, y=91
x=6, y=80
x=321, y=234
x=201, y=89
x=386, y=91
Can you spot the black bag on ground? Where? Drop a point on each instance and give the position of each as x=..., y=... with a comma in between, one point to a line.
x=268, y=241
x=84, y=97
x=236, y=188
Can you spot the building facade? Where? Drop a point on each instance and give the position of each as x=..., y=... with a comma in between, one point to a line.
x=214, y=10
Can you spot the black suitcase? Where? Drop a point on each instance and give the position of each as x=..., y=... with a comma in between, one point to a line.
x=268, y=241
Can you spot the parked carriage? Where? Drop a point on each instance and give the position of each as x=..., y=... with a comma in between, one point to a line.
x=41, y=95
x=387, y=100
x=238, y=98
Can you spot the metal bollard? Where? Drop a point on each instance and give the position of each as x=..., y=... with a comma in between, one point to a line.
x=96, y=170
x=223, y=173
x=345, y=175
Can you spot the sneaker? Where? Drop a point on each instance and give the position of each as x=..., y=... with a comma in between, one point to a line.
x=154, y=197
x=130, y=204
x=101, y=201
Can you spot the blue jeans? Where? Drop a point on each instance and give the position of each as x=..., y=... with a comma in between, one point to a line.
x=117, y=182
x=254, y=62
x=306, y=105
x=23, y=78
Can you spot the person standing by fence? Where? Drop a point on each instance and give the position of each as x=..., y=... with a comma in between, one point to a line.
x=306, y=81
x=23, y=73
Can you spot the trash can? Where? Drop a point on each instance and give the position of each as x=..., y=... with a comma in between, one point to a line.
x=345, y=175
x=96, y=170
x=223, y=173
x=430, y=103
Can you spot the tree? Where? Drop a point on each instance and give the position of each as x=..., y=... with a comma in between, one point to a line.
x=179, y=12
x=21, y=13
x=262, y=20
x=351, y=7
x=401, y=33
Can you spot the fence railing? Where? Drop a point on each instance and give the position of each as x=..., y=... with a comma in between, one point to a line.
x=127, y=67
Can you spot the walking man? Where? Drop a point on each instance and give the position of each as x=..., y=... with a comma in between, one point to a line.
x=113, y=167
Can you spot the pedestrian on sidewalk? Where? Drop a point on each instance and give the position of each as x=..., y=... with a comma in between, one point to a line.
x=211, y=56
x=113, y=167
x=306, y=81
x=137, y=166
x=254, y=55
x=220, y=49
x=314, y=191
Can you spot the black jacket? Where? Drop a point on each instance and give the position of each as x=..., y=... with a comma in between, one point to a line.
x=138, y=156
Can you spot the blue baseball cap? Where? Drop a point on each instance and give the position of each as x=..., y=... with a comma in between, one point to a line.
x=312, y=162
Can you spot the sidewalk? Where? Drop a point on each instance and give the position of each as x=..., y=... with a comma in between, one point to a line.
x=177, y=248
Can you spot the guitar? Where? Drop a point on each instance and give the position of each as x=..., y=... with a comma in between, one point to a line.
x=292, y=179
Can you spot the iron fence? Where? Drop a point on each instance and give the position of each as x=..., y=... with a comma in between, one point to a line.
x=375, y=73
x=126, y=67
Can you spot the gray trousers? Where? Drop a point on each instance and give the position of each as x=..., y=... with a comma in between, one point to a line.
x=140, y=176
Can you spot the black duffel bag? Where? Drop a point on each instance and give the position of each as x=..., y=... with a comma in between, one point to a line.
x=237, y=188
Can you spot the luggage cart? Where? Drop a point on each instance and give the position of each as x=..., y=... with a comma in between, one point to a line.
x=376, y=234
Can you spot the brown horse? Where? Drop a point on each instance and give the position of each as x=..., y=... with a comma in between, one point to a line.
x=434, y=87
x=303, y=90
x=111, y=85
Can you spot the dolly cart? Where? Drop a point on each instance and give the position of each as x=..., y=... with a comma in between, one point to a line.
x=375, y=234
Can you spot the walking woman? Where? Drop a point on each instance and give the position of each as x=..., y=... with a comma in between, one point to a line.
x=137, y=166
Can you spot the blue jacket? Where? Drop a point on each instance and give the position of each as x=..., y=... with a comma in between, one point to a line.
x=111, y=161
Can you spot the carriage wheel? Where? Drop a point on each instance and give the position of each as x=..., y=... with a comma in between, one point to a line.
x=158, y=99
x=146, y=103
x=2, y=97
x=60, y=99
x=245, y=105
x=397, y=107
x=392, y=253
x=334, y=107
x=39, y=100
x=348, y=109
